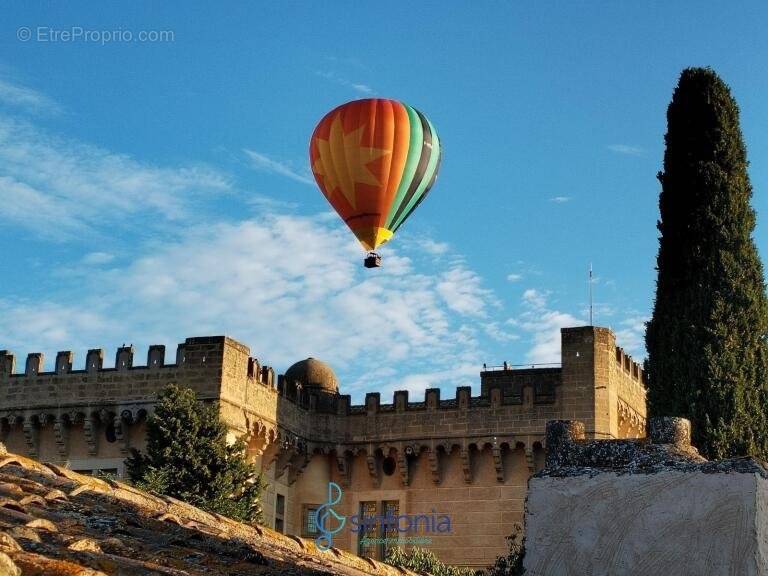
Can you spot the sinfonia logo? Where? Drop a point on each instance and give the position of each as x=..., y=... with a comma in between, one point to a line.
x=325, y=514
x=329, y=522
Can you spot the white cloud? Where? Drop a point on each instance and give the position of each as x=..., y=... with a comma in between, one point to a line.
x=96, y=258
x=49, y=216
x=264, y=163
x=514, y=277
x=432, y=247
x=267, y=203
x=26, y=98
x=463, y=292
x=360, y=88
x=49, y=326
x=61, y=187
x=287, y=286
x=534, y=299
x=631, y=336
x=560, y=199
x=627, y=150
x=543, y=325
x=495, y=331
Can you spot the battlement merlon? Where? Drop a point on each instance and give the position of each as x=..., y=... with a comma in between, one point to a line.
x=192, y=351
x=7, y=363
x=631, y=367
x=341, y=404
x=209, y=365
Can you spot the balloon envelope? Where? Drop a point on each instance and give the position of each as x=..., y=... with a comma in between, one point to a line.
x=374, y=160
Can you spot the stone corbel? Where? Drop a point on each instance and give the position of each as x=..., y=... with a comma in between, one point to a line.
x=402, y=464
x=285, y=469
x=90, y=433
x=342, y=465
x=283, y=462
x=530, y=460
x=284, y=453
x=466, y=465
x=370, y=459
x=31, y=431
x=61, y=435
x=498, y=464
x=121, y=434
x=434, y=465
x=272, y=453
x=296, y=465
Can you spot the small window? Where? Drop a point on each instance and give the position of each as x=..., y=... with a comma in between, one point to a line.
x=109, y=432
x=388, y=466
x=280, y=513
x=309, y=521
x=377, y=534
x=368, y=529
x=389, y=532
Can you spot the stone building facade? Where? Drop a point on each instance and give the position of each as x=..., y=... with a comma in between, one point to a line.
x=465, y=457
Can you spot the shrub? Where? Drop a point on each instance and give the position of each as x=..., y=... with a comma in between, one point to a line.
x=424, y=562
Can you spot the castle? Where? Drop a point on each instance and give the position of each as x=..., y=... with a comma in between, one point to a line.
x=466, y=457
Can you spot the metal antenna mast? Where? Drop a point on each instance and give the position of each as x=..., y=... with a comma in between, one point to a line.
x=591, y=308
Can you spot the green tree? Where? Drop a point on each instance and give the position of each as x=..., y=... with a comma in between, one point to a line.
x=512, y=563
x=188, y=457
x=424, y=562
x=706, y=338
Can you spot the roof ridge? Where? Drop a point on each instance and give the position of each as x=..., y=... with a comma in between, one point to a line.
x=53, y=495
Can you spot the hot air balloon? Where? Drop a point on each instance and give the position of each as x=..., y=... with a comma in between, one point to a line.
x=374, y=160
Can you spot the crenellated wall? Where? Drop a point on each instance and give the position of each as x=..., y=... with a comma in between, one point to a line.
x=469, y=454
x=197, y=364
x=629, y=380
x=50, y=414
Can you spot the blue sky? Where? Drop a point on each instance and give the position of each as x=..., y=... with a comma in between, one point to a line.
x=151, y=191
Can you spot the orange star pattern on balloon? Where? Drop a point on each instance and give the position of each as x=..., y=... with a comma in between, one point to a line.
x=345, y=176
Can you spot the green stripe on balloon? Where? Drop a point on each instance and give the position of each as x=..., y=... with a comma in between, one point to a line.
x=424, y=147
x=411, y=162
x=427, y=178
x=426, y=191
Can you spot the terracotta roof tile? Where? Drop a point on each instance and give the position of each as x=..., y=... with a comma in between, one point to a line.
x=55, y=522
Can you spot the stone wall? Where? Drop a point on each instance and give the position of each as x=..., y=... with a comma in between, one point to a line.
x=471, y=455
x=602, y=386
x=644, y=507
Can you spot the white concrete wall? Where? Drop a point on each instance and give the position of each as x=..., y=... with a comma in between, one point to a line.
x=670, y=522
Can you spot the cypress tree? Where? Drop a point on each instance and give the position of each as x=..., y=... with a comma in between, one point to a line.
x=706, y=338
x=188, y=457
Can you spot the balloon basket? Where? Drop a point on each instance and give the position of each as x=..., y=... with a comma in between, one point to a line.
x=373, y=260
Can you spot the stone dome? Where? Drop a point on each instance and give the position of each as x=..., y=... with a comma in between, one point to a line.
x=312, y=373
